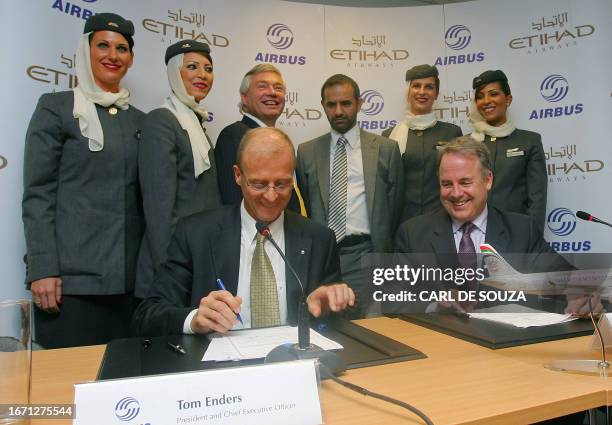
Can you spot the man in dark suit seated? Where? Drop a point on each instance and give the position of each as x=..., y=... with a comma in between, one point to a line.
x=453, y=235
x=223, y=247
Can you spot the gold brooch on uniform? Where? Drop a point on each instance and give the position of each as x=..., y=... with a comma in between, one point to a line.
x=112, y=110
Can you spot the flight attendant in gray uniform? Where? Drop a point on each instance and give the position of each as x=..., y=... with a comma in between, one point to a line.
x=82, y=212
x=419, y=136
x=176, y=158
x=517, y=156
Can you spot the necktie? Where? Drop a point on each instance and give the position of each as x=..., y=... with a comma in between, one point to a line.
x=467, y=251
x=467, y=256
x=336, y=219
x=264, y=296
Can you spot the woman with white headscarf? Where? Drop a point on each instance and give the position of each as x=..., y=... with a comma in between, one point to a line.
x=81, y=204
x=176, y=158
x=517, y=156
x=419, y=135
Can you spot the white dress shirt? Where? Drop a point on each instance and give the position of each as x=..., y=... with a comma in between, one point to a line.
x=254, y=118
x=247, y=247
x=478, y=233
x=356, y=207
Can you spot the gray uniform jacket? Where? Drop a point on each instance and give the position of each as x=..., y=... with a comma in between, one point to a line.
x=169, y=189
x=420, y=160
x=82, y=210
x=383, y=178
x=519, y=174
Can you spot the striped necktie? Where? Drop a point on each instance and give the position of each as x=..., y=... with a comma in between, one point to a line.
x=336, y=219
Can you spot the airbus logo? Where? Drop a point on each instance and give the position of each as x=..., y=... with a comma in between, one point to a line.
x=373, y=102
x=561, y=221
x=127, y=409
x=280, y=36
x=457, y=37
x=554, y=88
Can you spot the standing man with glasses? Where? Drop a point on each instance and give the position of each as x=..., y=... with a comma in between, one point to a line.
x=225, y=245
x=352, y=182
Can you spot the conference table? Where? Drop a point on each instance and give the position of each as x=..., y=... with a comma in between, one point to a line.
x=458, y=383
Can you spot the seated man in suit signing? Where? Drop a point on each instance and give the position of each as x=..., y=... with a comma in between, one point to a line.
x=466, y=221
x=222, y=249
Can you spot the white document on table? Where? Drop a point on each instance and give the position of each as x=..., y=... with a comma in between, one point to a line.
x=257, y=343
x=520, y=316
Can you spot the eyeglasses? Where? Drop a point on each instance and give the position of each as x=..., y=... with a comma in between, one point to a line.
x=280, y=187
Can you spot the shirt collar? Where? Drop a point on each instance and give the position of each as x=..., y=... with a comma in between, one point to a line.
x=257, y=120
x=248, y=224
x=480, y=222
x=352, y=136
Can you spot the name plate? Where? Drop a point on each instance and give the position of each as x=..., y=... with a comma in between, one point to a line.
x=277, y=393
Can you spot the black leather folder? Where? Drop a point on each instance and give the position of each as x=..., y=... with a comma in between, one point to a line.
x=498, y=335
x=141, y=356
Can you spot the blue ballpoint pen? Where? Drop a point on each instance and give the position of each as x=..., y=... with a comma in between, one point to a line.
x=222, y=287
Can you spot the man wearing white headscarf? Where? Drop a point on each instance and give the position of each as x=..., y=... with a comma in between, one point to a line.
x=176, y=159
x=420, y=135
x=81, y=203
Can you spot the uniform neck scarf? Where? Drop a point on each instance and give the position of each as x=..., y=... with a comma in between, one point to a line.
x=184, y=108
x=411, y=122
x=481, y=128
x=87, y=94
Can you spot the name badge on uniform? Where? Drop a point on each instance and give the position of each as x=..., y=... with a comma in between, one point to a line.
x=514, y=152
x=440, y=144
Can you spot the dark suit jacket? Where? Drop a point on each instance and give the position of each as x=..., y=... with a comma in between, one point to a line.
x=507, y=232
x=383, y=179
x=169, y=189
x=430, y=240
x=225, y=155
x=519, y=181
x=82, y=210
x=420, y=161
x=206, y=246
x=226, y=150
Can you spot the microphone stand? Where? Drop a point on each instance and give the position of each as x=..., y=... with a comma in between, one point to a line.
x=303, y=349
x=589, y=367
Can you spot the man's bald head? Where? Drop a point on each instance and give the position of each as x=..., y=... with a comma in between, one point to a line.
x=265, y=141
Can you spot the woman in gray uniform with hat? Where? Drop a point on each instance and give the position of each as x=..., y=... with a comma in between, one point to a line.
x=517, y=156
x=177, y=162
x=419, y=136
x=81, y=204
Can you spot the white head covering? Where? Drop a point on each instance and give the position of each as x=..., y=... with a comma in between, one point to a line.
x=184, y=108
x=482, y=128
x=87, y=94
x=411, y=122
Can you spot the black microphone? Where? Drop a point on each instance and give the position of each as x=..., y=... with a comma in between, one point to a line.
x=332, y=363
x=588, y=217
x=303, y=315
